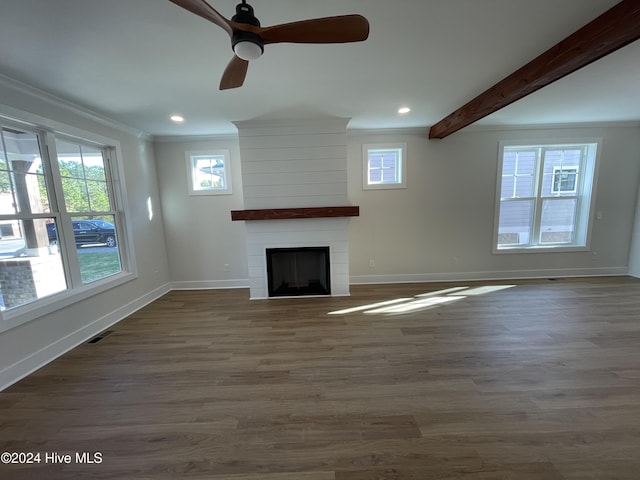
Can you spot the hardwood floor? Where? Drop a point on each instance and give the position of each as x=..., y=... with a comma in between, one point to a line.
x=537, y=381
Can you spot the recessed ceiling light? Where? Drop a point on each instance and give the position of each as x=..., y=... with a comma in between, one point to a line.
x=177, y=118
x=404, y=110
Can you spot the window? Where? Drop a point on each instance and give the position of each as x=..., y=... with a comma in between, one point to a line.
x=384, y=166
x=564, y=179
x=209, y=173
x=545, y=196
x=59, y=222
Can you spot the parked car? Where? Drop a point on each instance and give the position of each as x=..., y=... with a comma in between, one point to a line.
x=88, y=232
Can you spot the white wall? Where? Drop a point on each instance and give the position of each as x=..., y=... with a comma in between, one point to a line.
x=634, y=256
x=413, y=234
x=30, y=345
x=441, y=226
x=200, y=236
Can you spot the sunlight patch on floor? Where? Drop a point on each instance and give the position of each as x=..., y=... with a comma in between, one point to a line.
x=422, y=301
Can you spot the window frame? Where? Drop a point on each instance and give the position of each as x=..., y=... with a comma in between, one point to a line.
x=190, y=158
x=401, y=165
x=47, y=131
x=585, y=196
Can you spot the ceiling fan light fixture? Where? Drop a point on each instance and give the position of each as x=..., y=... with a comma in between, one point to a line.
x=247, y=50
x=247, y=45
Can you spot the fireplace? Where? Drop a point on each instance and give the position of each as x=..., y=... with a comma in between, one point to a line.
x=294, y=187
x=298, y=271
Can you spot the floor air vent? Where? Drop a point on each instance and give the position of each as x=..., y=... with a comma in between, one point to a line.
x=100, y=336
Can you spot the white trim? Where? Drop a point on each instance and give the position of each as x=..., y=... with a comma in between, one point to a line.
x=476, y=128
x=210, y=284
x=551, y=126
x=422, y=131
x=79, y=110
x=46, y=305
x=488, y=275
x=194, y=138
x=20, y=369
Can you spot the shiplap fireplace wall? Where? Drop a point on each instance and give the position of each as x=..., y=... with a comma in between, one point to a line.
x=295, y=164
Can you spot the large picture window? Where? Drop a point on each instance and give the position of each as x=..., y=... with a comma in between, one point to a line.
x=545, y=196
x=59, y=222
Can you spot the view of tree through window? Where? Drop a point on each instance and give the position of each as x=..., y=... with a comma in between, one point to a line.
x=57, y=216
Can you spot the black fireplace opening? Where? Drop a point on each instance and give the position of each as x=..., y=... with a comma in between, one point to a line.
x=298, y=271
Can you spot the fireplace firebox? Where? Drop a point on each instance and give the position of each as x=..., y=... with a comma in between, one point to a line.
x=298, y=271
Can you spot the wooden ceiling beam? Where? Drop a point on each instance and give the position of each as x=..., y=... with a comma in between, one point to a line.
x=609, y=32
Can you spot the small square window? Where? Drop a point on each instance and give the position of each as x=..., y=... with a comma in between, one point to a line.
x=209, y=172
x=564, y=179
x=384, y=166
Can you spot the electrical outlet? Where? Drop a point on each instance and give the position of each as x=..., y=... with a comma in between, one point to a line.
x=372, y=263
x=227, y=268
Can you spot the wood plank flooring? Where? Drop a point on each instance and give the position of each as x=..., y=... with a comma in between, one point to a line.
x=537, y=381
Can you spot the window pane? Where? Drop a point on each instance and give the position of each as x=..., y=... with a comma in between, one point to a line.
x=515, y=222
x=518, y=174
x=93, y=162
x=558, y=220
x=384, y=166
x=83, y=177
x=98, y=196
x=76, y=197
x=30, y=264
x=22, y=185
x=209, y=172
x=561, y=170
x=98, y=251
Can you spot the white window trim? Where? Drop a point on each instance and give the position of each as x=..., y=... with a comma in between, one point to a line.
x=228, y=190
x=25, y=313
x=588, y=202
x=365, y=166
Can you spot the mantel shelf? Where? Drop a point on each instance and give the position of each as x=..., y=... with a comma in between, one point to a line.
x=293, y=213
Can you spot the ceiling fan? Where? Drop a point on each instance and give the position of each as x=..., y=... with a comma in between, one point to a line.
x=248, y=38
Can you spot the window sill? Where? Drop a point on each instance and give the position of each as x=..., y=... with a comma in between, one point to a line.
x=47, y=305
x=541, y=249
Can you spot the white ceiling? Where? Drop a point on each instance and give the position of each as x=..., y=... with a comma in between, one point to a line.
x=139, y=61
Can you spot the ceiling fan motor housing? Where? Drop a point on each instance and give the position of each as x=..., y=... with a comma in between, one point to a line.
x=244, y=14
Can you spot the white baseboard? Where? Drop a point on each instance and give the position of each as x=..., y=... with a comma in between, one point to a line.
x=20, y=369
x=490, y=275
x=210, y=284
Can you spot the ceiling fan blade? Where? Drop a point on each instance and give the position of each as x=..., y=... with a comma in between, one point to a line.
x=203, y=9
x=234, y=74
x=340, y=29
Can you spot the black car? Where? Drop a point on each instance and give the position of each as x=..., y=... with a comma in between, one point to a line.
x=88, y=232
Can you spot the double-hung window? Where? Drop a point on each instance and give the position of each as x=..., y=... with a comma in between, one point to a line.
x=60, y=220
x=544, y=196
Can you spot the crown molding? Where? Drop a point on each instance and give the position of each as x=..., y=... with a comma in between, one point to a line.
x=72, y=107
x=388, y=131
x=551, y=126
x=195, y=138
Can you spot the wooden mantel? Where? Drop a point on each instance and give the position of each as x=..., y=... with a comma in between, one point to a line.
x=293, y=213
